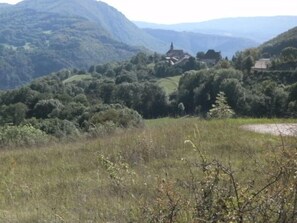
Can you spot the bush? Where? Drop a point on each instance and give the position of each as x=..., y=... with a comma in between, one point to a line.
x=119, y=115
x=46, y=108
x=110, y=117
x=58, y=128
x=25, y=135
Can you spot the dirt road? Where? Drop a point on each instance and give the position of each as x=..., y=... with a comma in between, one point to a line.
x=274, y=129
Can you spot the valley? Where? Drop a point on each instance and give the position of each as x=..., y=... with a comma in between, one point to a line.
x=107, y=120
x=98, y=33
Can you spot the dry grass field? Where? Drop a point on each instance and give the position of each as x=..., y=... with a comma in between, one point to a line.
x=172, y=170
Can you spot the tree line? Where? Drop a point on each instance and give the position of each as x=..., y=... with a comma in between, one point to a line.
x=112, y=95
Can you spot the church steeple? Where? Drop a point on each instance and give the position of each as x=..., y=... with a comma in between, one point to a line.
x=171, y=46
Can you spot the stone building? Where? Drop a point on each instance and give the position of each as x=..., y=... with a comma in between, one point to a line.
x=176, y=55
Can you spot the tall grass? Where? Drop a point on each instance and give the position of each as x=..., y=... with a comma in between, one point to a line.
x=138, y=175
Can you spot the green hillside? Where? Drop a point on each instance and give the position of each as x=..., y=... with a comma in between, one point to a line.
x=34, y=44
x=103, y=15
x=38, y=37
x=282, y=41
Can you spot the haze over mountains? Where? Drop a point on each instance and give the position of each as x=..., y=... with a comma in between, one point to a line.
x=38, y=37
x=191, y=41
x=259, y=29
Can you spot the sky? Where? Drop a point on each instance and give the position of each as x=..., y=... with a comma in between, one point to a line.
x=180, y=11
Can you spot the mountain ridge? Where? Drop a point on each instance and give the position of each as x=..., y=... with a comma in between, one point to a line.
x=101, y=14
x=271, y=26
x=80, y=33
x=194, y=42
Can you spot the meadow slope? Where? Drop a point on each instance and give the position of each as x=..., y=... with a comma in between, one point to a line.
x=173, y=170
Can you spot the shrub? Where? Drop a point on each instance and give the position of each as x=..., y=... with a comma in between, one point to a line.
x=119, y=115
x=59, y=128
x=25, y=135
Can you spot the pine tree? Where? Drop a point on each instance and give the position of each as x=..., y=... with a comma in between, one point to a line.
x=221, y=109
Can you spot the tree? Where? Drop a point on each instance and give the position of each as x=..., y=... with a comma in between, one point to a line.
x=191, y=64
x=106, y=91
x=161, y=69
x=13, y=114
x=140, y=59
x=289, y=54
x=153, y=102
x=237, y=60
x=247, y=63
x=45, y=108
x=193, y=90
x=200, y=55
x=224, y=64
x=220, y=109
x=126, y=76
x=18, y=112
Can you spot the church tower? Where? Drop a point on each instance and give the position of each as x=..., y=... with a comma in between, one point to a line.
x=171, y=46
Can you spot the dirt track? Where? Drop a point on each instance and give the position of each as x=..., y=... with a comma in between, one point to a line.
x=274, y=129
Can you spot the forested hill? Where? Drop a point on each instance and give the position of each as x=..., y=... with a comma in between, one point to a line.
x=4, y=5
x=276, y=45
x=103, y=15
x=38, y=37
x=35, y=43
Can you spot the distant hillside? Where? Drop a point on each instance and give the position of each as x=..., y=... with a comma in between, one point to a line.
x=277, y=44
x=195, y=42
x=38, y=37
x=260, y=29
x=103, y=15
x=34, y=44
x=4, y=7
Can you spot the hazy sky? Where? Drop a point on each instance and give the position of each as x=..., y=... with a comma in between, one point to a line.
x=177, y=11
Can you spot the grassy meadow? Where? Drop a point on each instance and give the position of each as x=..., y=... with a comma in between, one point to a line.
x=172, y=170
x=169, y=84
x=77, y=78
